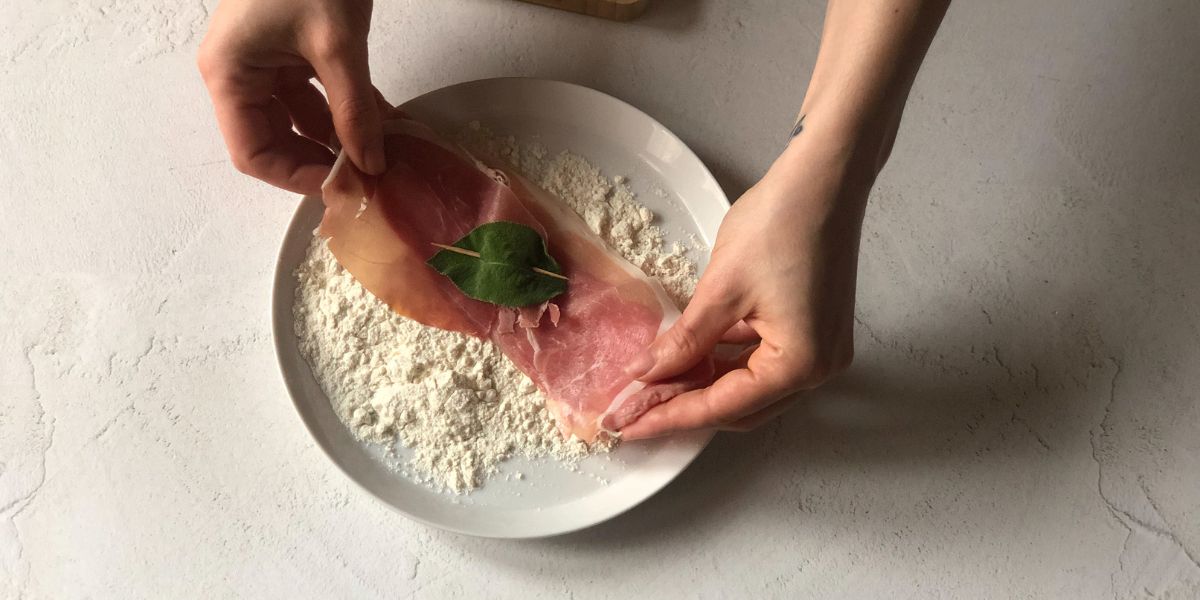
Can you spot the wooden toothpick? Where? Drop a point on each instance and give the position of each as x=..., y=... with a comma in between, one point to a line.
x=477, y=255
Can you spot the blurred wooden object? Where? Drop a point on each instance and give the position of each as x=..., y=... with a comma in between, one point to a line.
x=617, y=10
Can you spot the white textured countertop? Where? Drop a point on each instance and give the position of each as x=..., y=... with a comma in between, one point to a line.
x=1022, y=419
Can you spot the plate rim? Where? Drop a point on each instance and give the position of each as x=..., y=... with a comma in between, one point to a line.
x=281, y=326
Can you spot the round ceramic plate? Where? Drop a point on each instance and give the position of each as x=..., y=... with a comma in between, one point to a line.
x=527, y=498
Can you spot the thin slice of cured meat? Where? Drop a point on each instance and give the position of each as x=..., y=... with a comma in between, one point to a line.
x=575, y=348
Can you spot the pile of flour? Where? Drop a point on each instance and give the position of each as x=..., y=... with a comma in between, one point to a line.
x=455, y=402
x=608, y=205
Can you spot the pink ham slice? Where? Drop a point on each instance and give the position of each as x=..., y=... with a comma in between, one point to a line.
x=575, y=348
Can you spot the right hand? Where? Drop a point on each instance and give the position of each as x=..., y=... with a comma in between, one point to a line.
x=782, y=279
x=257, y=61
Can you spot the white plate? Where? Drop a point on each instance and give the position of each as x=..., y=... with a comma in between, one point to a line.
x=549, y=499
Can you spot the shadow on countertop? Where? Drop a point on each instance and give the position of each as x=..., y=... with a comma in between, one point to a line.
x=1021, y=380
x=1041, y=381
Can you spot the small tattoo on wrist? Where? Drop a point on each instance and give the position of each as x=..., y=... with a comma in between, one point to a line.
x=798, y=128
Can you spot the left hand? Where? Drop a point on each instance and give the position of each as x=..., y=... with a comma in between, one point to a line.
x=782, y=277
x=257, y=60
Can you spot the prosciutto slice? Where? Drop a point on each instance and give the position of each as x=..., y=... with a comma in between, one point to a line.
x=575, y=348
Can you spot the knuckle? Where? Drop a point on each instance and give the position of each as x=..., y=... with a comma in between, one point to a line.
x=243, y=162
x=206, y=61
x=814, y=367
x=217, y=54
x=719, y=291
x=330, y=44
x=353, y=111
x=684, y=342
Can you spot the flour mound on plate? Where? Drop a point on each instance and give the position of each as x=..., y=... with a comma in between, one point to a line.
x=608, y=206
x=454, y=403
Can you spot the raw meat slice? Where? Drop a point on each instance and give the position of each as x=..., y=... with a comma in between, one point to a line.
x=382, y=229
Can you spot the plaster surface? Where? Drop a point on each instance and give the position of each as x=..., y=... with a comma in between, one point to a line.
x=1022, y=420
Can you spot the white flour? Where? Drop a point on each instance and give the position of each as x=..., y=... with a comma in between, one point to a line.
x=608, y=205
x=454, y=401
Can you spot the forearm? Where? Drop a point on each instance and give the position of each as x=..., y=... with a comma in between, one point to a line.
x=785, y=261
x=869, y=56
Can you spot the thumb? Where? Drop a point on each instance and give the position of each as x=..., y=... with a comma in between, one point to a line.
x=707, y=317
x=352, y=102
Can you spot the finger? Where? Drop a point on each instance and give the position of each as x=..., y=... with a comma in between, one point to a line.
x=291, y=161
x=344, y=72
x=735, y=395
x=761, y=417
x=723, y=364
x=258, y=132
x=690, y=339
x=740, y=333
x=307, y=107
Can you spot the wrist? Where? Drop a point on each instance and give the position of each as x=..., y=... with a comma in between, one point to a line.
x=857, y=140
x=827, y=161
x=825, y=173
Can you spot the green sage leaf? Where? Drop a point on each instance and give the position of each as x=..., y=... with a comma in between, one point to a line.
x=502, y=263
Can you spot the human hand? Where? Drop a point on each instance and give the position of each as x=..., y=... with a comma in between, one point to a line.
x=782, y=277
x=257, y=61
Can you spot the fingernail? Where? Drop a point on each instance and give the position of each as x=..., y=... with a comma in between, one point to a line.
x=640, y=365
x=376, y=164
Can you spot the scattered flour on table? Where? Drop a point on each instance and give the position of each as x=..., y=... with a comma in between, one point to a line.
x=457, y=404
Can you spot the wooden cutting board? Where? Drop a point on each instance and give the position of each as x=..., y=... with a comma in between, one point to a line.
x=617, y=10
